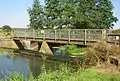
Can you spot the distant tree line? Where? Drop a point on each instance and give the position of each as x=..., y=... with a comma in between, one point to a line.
x=72, y=14
x=6, y=28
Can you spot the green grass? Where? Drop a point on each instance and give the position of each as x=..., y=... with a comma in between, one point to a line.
x=73, y=50
x=7, y=51
x=66, y=74
x=3, y=51
x=81, y=75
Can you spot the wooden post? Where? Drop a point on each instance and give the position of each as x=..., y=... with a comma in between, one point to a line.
x=119, y=40
x=103, y=34
x=55, y=36
x=11, y=33
x=68, y=35
x=85, y=35
x=25, y=34
x=33, y=34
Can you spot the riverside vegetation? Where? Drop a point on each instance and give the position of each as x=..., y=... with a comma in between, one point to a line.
x=98, y=66
x=72, y=50
x=67, y=74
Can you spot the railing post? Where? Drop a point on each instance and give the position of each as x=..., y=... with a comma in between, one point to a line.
x=119, y=40
x=25, y=34
x=85, y=35
x=33, y=33
x=55, y=35
x=12, y=34
x=104, y=34
x=68, y=35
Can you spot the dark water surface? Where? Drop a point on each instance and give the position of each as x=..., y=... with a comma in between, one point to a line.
x=24, y=65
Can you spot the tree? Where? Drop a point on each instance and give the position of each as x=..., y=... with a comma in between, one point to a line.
x=36, y=15
x=80, y=14
x=59, y=13
x=6, y=28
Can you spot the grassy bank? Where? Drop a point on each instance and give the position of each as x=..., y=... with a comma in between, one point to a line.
x=5, y=40
x=7, y=43
x=65, y=74
x=8, y=51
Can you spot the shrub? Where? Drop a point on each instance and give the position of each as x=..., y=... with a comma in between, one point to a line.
x=72, y=49
x=7, y=29
x=101, y=52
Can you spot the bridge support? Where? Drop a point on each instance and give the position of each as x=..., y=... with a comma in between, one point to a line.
x=45, y=48
x=34, y=45
x=19, y=44
x=29, y=45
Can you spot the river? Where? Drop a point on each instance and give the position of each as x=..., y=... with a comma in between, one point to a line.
x=24, y=65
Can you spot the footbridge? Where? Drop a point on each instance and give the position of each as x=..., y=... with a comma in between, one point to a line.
x=30, y=38
x=67, y=36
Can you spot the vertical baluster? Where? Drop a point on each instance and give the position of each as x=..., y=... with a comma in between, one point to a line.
x=68, y=35
x=119, y=40
x=33, y=34
x=55, y=35
x=25, y=34
x=85, y=34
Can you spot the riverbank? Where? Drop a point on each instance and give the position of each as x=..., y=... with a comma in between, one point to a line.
x=67, y=74
x=8, y=51
x=7, y=43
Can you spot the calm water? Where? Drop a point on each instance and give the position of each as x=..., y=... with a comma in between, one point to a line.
x=24, y=65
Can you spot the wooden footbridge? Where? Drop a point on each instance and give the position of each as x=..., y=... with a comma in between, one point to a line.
x=67, y=36
x=29, y=38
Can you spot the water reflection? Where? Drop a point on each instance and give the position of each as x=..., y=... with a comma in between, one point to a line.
x=25, y=65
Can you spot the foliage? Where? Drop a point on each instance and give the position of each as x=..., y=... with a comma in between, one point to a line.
x=101, y=52
x=8, y=51
x=72, y=49
x=2, y=51
x=36, y=15
x=7, y=29
x=64, y=74
x=79, y=14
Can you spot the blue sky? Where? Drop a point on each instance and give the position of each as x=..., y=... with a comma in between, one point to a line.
x=14, y=12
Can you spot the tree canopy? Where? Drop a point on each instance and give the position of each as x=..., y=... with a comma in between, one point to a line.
x=35, y=15
x=6, y=28
x=78, y=14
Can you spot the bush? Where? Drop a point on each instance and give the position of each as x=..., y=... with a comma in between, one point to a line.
x=7, y=29
x=101, y=52
x=72, y=49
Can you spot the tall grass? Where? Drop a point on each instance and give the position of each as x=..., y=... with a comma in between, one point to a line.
x=66, y=74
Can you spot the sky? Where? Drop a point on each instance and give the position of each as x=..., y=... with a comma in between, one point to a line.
x=14, y=12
